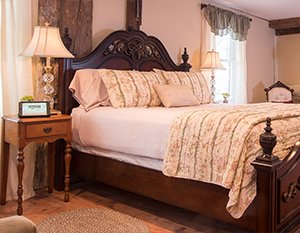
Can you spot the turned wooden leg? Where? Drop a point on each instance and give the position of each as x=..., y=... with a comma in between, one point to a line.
x=4, y=172
x=67, y=174
x=20, y=168
x=51, y=155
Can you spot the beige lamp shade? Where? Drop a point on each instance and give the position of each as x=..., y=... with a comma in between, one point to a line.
x=212, y=61
x=46, y=42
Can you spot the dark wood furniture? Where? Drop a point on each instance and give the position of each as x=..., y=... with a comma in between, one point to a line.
x=276, y=207
x=279, y=84
x=22, y=131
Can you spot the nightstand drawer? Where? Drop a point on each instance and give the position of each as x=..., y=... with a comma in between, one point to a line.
x=45, y=130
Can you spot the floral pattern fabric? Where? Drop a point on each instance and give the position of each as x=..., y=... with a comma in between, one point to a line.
x=194, y=80
x=218, y=145
x=131, y=88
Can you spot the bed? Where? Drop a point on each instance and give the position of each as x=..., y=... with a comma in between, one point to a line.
x=276, y=207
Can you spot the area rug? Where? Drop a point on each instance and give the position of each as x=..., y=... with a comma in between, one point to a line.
x=92, y=220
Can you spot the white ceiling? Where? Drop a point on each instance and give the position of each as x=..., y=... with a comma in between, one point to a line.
x=266, y=9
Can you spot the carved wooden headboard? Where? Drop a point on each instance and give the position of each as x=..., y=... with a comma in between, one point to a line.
x=123, y=50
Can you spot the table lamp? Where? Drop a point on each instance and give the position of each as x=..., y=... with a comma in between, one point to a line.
x=46, y=42
x=212, y=62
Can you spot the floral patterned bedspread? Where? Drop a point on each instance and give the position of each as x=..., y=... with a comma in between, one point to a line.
x=218, y=145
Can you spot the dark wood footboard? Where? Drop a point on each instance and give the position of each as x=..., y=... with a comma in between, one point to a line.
x=278, y=187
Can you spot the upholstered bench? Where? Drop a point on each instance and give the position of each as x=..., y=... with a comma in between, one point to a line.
x=17, y=224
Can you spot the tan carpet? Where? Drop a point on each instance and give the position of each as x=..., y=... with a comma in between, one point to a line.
x=92, y=220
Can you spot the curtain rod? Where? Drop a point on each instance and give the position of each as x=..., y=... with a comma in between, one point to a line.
x=205, y=5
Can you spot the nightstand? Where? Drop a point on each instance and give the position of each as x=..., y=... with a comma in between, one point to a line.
x=20, y=132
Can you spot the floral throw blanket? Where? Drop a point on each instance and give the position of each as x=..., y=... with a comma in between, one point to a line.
x=218, y=145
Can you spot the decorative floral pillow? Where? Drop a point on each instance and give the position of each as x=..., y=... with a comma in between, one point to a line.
x=193, y=79
x=131, y=88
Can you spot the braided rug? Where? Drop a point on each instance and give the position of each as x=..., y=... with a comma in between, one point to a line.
x=92, y=220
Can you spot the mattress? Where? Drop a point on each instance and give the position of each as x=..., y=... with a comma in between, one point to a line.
x=134, y=135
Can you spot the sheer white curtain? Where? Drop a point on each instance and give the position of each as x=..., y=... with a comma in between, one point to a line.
x=239, y=73
x=16, y=77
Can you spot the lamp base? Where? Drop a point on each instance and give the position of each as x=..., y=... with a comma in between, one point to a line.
x=213, y=89
x=48, y=78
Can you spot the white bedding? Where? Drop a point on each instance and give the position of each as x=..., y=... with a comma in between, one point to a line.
x=135, y=131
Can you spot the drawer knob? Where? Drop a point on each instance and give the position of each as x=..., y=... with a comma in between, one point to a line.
x=47, y=130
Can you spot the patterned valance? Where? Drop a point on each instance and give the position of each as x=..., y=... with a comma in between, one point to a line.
x=225, y=22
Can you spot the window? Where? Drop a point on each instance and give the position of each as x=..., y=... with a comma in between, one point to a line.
x=232, y=80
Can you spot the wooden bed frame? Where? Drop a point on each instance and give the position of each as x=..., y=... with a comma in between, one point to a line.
x=276, y=207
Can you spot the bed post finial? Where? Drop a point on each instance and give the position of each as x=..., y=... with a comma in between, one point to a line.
x=185, y=56
x=268, y=141
x=185, y=66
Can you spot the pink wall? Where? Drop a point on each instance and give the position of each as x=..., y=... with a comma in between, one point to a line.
x=260, y=59
x=177, y=24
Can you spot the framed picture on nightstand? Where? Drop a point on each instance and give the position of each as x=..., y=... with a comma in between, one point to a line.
x=34, y=109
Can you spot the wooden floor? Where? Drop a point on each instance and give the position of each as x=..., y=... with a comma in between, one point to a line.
x=159, y=217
